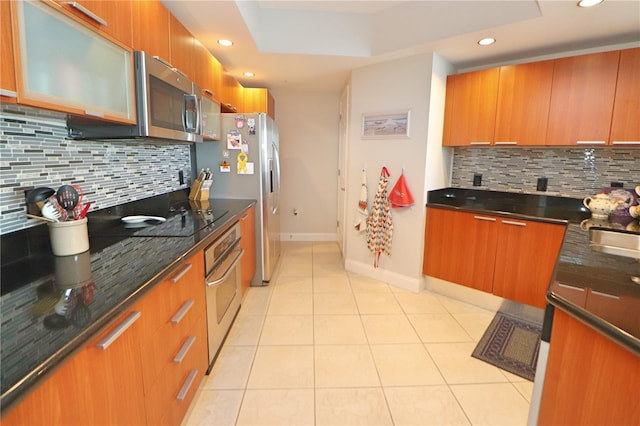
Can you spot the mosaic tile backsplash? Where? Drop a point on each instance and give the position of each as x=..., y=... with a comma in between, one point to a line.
x=571, y=172
x=35, y=151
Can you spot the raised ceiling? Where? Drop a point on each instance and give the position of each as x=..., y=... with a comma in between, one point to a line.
x=313, y=45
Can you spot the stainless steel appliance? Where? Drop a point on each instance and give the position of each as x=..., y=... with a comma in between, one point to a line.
x=167, y=107
x=222, y=267
x=255, y=177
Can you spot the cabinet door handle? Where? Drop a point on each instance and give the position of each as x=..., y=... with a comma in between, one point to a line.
x=184, y=349
x=116, y=332
x=511, y=222
x=625, y=142
x=488, y=219
x=507, y=143
x=8, y=93
x=80, y=8
x=610, y=296
x=177, y=277
x=182, y=312
x=209, y=92
x=480, y=143
x=245, y=217
x=187, y=385
x=590, y=142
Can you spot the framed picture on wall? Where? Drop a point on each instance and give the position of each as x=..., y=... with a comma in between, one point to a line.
x=393, y=124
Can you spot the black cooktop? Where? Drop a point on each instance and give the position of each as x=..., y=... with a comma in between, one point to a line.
x=184, y=217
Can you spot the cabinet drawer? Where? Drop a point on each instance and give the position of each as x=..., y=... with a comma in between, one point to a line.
x=179, y=379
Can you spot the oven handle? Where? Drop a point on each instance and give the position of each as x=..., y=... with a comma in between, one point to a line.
x=226, y=274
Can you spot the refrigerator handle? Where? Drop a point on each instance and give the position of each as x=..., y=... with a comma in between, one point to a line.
x=276, y=190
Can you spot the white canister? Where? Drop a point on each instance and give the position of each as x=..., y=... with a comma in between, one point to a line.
x=69, y=237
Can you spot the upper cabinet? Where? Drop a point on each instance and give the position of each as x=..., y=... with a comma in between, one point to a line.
x=625, y=125
x=232, y=94
x=524, y=95
x=92, y=75
x=151, y=28
x=582, y=98
x=208, y=72
x=470, y=108
x=7, y=71
x=259, y=100
x=182, y=47
x=112, y=18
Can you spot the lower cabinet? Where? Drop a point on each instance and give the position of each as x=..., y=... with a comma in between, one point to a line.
x=145, y=369
x=589, y=380
x=102, y=385
x=248, y=244
x=510, y=258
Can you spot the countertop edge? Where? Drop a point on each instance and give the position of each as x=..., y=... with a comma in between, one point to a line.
x=14, y=395
x=499, y=213
x=608, y=330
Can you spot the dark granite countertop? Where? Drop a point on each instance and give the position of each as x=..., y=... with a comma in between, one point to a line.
x=123, y=267
x=595, y=287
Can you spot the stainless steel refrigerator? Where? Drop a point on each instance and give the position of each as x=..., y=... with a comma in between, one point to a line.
x=245, y=164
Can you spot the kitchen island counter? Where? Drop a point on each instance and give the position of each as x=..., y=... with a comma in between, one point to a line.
x=35, y=338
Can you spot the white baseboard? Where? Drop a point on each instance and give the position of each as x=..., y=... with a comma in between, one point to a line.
x=393, y=278
x=308, y=237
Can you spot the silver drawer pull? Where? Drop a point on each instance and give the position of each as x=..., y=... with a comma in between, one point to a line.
x=184, y=349
x=511, y=222
x=182, y=312
x=116, y=332
x=187, y=385
x=80, y=8
x=489, y=219
x=180, y=274
x=570, y=287
x=610, y=296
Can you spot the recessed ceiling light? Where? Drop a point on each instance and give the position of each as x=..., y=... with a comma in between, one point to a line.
x=486, y=41
x=248, y=74
x=589, y=3
x=226, y=43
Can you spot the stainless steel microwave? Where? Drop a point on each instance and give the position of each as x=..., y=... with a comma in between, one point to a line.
x=168, y=106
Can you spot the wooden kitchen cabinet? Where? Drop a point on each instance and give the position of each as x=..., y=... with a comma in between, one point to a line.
x=513, y=259
x=108, y=17
x=182, y=47
x=57, y=79
x=96, y=387
x=248, y=244
x=524, y=97
x=526, y=256
x=470, y=108
x=174, y=343
x=232, y=95
x=7, y=67
x=606, y=395
x=259, y=100
x=582, y=97
x=208, y=72
x=460, y=247
x=625, y=124
x=151, y=28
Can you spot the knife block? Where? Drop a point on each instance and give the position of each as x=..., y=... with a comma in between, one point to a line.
x=200, y=190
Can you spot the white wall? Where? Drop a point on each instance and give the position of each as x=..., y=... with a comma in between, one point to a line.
x=397, y=85
x=308, y=125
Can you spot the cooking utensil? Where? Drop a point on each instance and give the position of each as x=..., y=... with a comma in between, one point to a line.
x=68, y=197
x=50, y=212
x=46, y=219
x=84, y=210
x=53, y=200
x=39, y=195
x=79, y=206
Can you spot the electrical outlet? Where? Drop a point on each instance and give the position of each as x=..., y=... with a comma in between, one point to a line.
x=541, y=185
x=477, y=179
x=617, y=184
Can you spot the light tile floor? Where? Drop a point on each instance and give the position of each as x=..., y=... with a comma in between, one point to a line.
x=321, y=346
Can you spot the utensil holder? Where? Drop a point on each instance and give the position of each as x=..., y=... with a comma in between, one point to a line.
x=69, y=238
